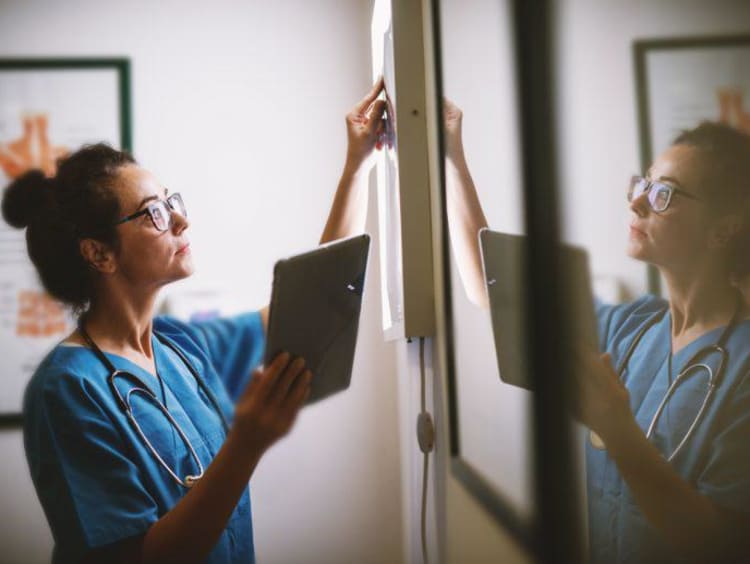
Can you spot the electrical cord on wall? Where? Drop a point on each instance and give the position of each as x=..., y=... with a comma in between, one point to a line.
x=426, y=439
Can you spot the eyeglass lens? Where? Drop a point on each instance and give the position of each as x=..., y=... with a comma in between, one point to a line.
x=658, y=194
x=161, y=214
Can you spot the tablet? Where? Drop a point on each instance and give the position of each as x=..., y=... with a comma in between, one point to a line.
x=503, y=258
x=314, y=312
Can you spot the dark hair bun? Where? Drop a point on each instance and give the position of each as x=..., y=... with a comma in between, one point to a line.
x=25, y=197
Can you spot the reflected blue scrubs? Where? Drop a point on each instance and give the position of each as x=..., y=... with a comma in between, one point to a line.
x=716, y=460
x=97, y=481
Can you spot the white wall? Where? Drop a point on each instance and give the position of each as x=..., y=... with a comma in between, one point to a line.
x=240, y=106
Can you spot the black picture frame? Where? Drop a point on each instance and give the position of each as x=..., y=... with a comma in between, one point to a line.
x=641, y=49
x=122, y=68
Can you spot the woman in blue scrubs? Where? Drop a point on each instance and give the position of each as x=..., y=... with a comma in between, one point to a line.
x=169, y=484
x=650, y=499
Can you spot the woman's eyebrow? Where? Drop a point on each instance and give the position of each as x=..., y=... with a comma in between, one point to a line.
x=146, y=200
x=150, y=198
x=670, y=179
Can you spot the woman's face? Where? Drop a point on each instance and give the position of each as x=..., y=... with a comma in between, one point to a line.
x=148, y=257
x=679, y=235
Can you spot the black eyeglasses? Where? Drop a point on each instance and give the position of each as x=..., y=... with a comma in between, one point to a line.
x=659, y=193
x=160, y=212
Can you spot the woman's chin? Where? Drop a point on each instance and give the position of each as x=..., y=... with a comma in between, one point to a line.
x=185, y=271
x=636, y=251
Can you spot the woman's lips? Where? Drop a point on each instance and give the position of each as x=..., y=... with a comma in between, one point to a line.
x=183, y=250
x=636, y=233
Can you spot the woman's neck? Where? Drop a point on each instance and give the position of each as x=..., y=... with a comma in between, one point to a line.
x=121, y=324
x=699, y=301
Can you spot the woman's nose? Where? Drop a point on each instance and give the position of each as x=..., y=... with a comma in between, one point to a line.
x=640, y=205
x=179, y=222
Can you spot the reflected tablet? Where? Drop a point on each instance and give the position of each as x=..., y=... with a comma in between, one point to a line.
x=503, y=257
x=314, y=313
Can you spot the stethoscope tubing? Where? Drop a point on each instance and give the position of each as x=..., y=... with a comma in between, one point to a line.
x=139, y=387
x=690, y=367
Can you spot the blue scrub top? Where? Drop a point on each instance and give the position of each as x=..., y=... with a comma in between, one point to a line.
x=97, y=481
x=716, y=459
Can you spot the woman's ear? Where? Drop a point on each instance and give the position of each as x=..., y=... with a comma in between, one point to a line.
x=99, y=256
x=725, y=230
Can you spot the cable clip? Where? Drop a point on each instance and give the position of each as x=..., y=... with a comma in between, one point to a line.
x=425, y=432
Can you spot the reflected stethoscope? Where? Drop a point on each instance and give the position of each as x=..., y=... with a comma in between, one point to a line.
x=140, y=388
x=691, y=367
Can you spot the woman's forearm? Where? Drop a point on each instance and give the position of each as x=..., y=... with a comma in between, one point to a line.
x=465, y=219
x=349, y=209
x=688, y=520
x=190, y=530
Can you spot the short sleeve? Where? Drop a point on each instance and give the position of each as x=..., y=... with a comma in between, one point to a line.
x=726, y=477
x=233, y=345
x=92, y=493
x=618, y=321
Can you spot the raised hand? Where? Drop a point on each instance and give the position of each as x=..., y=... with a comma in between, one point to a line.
x=452, y=121
x=365, y=128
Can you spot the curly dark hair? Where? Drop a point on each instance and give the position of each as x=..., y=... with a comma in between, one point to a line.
x=77, y=203
x=725, y=152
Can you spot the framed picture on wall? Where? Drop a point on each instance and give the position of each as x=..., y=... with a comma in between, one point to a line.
x=683, y=81
x=48, y=109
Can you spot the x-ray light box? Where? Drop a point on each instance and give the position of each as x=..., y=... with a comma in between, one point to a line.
x=403, y=182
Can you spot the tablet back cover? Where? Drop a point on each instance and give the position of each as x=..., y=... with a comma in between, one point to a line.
x=315, y=308
x=504, y=257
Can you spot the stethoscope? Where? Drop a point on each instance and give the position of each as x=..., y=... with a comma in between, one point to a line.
x=691, y=367
x=141, y=388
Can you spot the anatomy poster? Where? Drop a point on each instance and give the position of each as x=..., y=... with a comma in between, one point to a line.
x=46, y=112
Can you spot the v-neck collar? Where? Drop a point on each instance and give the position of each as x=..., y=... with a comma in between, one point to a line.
x=654, y=353
x=154, y=381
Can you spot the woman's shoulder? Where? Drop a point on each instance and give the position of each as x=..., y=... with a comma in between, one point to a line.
x=184, y=334
x=204, y=334
x=613, y=319
x=647, y=304
x=67, y=365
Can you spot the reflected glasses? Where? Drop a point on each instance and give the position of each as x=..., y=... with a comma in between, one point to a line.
x=160, y=212
x=659, y=193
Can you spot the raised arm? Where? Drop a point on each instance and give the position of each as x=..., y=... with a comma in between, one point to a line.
x=465, y=214
x=364, y=126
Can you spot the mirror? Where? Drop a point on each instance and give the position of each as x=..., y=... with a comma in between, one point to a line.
x=492, y=420
x=678, y=82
